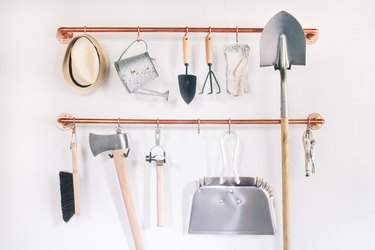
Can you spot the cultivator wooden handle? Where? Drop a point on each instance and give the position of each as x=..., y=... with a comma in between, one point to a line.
x=208, y=43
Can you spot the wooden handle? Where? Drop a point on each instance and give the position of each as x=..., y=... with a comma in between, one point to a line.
x=208, y=42
x=185, y=45
x=160, y=195
x=285, y=180
x=77, y=209
x=127, y=197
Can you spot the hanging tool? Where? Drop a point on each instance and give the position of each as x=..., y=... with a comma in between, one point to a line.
x=210, y=74
x=158, y=155
x=282, y=44
x=308, y=146
x=69, y=184
x=187, y=83
x=232, y=205
x=118, y=144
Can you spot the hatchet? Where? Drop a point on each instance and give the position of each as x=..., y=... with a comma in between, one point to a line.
x=118, y=144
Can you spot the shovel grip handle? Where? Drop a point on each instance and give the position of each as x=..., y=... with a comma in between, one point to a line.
x=122, y=176
x=208, y=42
x=160, y=195
x=185, y=45
x=285, y=180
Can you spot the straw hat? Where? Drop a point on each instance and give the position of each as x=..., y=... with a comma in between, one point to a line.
x=85, y=64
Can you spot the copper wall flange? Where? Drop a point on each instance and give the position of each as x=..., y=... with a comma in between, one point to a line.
x=65, y=125
x=64, y=36
x=312, y=37
x=315, y=117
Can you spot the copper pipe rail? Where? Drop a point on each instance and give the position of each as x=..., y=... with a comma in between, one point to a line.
x=65, y=34
x=66, y=121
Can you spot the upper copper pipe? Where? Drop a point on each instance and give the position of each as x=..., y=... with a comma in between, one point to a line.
x=65, y=34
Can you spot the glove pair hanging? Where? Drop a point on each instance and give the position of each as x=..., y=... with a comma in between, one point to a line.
x=237, y=57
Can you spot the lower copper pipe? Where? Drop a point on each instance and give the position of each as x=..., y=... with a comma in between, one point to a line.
x=314, y=123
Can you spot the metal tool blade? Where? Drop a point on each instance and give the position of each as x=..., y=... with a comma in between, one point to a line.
x=282, y=24
x=102, y=143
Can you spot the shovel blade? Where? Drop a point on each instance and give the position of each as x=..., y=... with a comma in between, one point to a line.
x=187, y=84
x=282, y=24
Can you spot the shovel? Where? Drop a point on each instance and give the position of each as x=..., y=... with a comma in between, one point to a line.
x=187, y=83
x=118, y=144
x=283, y=44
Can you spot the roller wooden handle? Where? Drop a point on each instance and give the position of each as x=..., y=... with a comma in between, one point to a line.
x=208, y=42
x=127, y=197
x=285, y=181
x=77, y=209
x=160, y=195
x=185, y=45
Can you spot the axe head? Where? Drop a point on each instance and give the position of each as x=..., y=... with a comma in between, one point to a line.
x=102, y=143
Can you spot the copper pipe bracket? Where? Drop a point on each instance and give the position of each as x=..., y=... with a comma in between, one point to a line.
x=314, y=117
x=312, y=36
x=63, y=36
x=65, y=125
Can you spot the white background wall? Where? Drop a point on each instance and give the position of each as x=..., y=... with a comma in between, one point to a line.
x=332, y=210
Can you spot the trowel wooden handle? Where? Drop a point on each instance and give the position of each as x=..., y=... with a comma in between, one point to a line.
x=285, y=180
x=208, y=42
x=185, y=45
x=127, y=197
x=77, y=209
x=160, y=195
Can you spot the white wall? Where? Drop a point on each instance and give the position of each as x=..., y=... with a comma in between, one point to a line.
x=332, y=210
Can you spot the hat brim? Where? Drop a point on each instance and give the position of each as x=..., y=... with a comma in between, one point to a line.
x=74, y=84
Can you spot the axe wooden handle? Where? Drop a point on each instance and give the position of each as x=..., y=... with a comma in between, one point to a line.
x=285, y=180
x=160, y=195
x=126, y=195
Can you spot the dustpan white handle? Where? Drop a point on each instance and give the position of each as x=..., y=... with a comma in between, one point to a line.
x=235, y=156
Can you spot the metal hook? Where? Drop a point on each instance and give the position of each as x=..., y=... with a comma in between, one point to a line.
x=138, y=34
x=209, y=31
x=84, y=29
x=186, y=31
x=229, y=125
x=309, y=123
x=237, y=36
x=73, y=138
x=157, y=123
x=118, y=129
x=199, y=126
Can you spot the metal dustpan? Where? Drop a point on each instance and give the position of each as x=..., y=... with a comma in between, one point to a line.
x=232, y=205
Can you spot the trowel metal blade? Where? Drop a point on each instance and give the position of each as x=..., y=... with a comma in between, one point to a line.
x=187, y=84
x=102, y=143
x=282, y=23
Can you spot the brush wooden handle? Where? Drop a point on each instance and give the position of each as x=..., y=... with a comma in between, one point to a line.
x=122, y=176
x=185, y=45
x=285, y=180
x=77, y=209
x=208, y=42
x=160, y=195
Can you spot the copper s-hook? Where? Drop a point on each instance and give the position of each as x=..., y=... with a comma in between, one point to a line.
x=199, y=126
x=229, y=125
x=138, y=34
x=237, y=36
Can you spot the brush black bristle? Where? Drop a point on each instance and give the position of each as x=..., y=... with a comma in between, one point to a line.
x=67, y=195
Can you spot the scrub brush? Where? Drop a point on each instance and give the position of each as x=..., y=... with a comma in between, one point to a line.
x=69, y=185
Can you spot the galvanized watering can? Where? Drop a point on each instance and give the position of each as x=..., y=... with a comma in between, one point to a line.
x=136, y=71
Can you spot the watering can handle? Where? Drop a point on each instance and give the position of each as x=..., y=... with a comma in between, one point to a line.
x=140, y=40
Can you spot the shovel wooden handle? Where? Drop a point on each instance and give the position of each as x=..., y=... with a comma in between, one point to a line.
x=160, y=195
x=208, y=42
x=127, y=197
x=185, y=45
x=285, y=180
x=77, y=209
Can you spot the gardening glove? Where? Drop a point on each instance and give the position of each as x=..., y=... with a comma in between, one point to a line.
x=237, y=57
